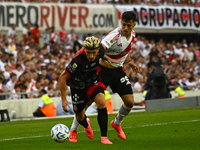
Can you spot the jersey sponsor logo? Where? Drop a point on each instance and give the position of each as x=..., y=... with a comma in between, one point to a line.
x=78, y=102
x=93, y=64
x=131, y=44
x=120, y=45
x=107, y=43
x=111, y=41
x=75, y=65
x=75, y=97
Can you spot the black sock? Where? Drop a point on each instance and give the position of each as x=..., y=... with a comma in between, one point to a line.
x=84, y=122
x=103, y=121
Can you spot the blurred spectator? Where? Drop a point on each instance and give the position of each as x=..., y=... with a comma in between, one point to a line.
x=46, y=106
x=26, y=33
x=50, y=89
x=35, y=33
x=36, y=88
x=2, y=87
x=138, y=86
x=11, y=83
x=7, y=71
x=12, y=31
x=47, y=36
x=53, y=36
x=77, y=44
x=169, y=51
x=18, y=71
x=62, y=37
x=179, y=92
x=24, y=95
x=71, y=37
x=7, y=48
x=15, y=92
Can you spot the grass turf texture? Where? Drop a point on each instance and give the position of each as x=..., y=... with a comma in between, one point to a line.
x=152, y=130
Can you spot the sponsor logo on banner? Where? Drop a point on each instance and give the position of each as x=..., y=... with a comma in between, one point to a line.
x=78, y=17
x=160, y=17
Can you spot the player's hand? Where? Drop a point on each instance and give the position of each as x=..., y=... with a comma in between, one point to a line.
x=64, y=105
x=110, y=60
x=134, y=67
x=113, y=61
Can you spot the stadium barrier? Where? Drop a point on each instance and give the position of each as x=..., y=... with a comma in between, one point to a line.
x=172, y=103
x=25, y=107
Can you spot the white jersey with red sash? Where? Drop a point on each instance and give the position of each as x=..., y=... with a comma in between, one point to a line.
x=118, y=46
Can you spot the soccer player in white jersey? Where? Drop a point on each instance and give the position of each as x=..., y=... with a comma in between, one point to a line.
x=117, y=45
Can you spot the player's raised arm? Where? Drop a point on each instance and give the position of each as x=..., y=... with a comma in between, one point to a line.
x=62, y=83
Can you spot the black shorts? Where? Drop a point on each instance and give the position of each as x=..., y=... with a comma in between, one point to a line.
x=81, y=97
x=116, y=79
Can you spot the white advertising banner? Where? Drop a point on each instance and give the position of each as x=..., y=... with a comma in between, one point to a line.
x=72, y=16
x=163, y=17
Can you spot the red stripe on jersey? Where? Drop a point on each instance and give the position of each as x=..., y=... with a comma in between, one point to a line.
x=98, y=70
x=117, y=36
x=133, y=39
x=80, y=52
x=68, y=73
x=133, y=32
x=122, y=54
x=93, y=87
x=123, y=69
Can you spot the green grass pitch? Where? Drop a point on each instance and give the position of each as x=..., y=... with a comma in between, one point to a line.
x=174, y=129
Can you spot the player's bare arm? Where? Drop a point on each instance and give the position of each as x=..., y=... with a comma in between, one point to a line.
x=110, y=60
x=62, y=83
x=132, y=64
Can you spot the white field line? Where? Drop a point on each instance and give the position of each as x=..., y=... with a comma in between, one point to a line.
x=147, y=125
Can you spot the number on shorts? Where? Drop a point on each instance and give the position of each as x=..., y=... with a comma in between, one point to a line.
x=125, y=79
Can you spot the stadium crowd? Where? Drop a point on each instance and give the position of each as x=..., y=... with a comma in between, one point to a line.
x=195, y=3
x=29, y=66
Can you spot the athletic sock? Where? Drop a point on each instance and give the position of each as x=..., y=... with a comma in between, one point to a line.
x=123, y=112
x=75, y=124
x=84, y=122
x=103, y=121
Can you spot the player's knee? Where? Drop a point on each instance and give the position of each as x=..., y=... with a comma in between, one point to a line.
x=80, y=116
x=129, y=103
x=101, y=104
x=100, y=101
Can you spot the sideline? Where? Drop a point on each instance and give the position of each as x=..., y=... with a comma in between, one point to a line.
x=147, y=125
x=139, y=109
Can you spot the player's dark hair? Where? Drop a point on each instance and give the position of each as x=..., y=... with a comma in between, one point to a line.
x=129, y=15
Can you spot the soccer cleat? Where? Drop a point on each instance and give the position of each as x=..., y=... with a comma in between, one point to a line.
x=89, y=131
x=105, y=140
x=119, y=130
x=73, y=136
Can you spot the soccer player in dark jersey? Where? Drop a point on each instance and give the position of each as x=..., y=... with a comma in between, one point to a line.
x=117, y=44
x=82, y=77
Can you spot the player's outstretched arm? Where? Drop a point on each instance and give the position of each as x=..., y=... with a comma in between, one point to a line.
x=62, y=83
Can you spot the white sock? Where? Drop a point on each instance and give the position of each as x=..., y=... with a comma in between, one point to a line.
x=123, y=112
x=75, y=124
